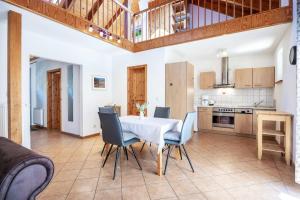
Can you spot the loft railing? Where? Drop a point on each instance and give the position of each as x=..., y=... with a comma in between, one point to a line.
x=110, y=18
x=173, y=16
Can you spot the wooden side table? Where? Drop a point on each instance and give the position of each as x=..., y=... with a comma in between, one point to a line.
x=284, y=117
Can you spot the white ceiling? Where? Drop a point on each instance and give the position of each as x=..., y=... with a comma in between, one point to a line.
x=263, y=40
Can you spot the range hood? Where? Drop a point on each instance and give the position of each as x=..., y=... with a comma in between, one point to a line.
x=225, y=76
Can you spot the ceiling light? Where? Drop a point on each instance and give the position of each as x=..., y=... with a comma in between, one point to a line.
x=91, y=29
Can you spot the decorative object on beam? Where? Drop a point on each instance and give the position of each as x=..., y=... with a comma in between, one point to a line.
x=105, y=34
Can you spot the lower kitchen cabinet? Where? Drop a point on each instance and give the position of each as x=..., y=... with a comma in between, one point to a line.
x=243, y=123
x=204, y=118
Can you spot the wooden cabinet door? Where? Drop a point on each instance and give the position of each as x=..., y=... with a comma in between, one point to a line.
x=205, y=119
x=176, y=89
x=263, y=77
x=243, y=123
x=243, y=78
x=207, y=80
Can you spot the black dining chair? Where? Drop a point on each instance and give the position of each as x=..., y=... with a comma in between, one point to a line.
x=160, y=112
x=113, y=134
x=179, y=139
x=105, y=109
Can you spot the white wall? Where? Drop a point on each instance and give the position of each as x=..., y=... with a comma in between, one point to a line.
x=155, y=77
x=285, y=92
x=39, y=93
x=47, y=39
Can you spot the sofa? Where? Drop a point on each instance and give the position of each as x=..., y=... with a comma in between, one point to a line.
x=23, y=173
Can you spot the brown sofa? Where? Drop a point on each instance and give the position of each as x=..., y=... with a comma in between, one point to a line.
x=23, y=173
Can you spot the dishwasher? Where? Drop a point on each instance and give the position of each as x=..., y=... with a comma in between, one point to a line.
x=243, y=120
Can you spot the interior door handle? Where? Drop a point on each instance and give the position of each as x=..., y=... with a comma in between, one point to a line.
x=171, y=84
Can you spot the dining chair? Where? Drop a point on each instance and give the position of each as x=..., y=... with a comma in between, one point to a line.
x=105, y=109
x=113, y=134
x=160, y=112
x=179, y=139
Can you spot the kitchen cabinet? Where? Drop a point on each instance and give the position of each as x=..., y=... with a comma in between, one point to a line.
x=179, y=87
x=204, y=118
x=207, y=80
x=243, y=78
x=263, y=77
x=243, y=123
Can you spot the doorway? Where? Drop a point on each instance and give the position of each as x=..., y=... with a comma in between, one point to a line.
x=54, y=99
x=137, y=88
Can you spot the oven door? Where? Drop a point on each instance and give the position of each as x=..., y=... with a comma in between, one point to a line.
x=223, y=120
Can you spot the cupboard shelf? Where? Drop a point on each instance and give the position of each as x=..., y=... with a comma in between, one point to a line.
x=273, y=132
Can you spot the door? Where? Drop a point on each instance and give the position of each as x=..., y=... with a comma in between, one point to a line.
x=263, y=77
x=54, y=99
x=243, y=123
x=137, y=88
x=243, y=78
x=205, y=119
x=176, y=89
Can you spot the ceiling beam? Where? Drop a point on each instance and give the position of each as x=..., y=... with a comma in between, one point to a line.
x=94, y=9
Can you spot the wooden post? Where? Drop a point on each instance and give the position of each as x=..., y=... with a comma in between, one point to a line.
x=159, y=163
x=288, y=140
x=259, y=137
x=14, y=79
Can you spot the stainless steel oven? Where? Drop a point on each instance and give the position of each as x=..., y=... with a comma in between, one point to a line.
x=223, y=117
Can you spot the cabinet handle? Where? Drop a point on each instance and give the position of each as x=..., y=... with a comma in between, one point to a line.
x=171, y=84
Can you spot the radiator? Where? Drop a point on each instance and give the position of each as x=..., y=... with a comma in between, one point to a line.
x=3, y=119
x=38, y=116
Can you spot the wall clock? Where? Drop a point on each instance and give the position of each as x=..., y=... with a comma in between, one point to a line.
x=293, y=55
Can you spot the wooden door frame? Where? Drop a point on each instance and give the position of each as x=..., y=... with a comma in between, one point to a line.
x=49, y=72
x=131, y=68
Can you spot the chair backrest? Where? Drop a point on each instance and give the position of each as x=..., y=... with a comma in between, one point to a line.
x=187, y=127
x=162, y=112
x=106, y=109
x=111, y=128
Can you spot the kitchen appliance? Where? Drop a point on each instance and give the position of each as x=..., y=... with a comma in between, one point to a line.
x=225, y=77
x=211, y=102
x=205, y=100
x=223, y=117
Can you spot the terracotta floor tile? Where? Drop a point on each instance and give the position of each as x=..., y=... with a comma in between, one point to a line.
x=105, y=183
x=81, y=196
x=112, y=194
x=135, y=193
x=206, y=184
x=160, y=191
x=58, y=188
x=218, y=195
x=133, y=180
x=66, y=175
x=193, y=197
x=89, y=173
x=84, y=185
x=184, y=187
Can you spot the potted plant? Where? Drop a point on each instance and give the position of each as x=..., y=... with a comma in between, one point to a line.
x=141, y=108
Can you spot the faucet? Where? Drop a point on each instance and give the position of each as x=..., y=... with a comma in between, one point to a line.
x=256, y=104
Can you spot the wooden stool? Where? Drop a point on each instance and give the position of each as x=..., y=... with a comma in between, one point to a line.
x=284, y=117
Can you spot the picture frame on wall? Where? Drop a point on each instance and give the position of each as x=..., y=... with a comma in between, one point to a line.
x=99, y=82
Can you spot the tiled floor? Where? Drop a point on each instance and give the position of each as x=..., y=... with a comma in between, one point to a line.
x=225, y=168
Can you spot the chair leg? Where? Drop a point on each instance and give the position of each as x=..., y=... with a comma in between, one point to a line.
x=180, y=153
x=143, y=147
x=116, y=162
x=103, y=149
x=169, y=152
x=111, y=146
x=125, y=151
x=135, y=157
x=187, y=156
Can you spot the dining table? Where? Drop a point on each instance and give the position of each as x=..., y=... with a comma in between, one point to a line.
x=151, y=129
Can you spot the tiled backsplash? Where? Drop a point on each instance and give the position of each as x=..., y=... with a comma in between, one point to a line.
x=237, y=97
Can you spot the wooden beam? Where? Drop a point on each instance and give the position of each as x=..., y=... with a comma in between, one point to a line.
x=66, y=4
x=250, y=22
x=94, y=9
x=114, y=18
x=14, y=81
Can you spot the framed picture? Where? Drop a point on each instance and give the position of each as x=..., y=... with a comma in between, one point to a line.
x=99, y=82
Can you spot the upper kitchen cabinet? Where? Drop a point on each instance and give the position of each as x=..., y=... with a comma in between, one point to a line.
x=263, y=77
x=243, y=78
x=207, y=80
x=179, y=88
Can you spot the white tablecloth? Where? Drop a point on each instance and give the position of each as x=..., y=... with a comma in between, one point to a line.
x=149, y=128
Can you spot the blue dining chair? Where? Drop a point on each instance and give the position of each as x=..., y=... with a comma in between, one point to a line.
x=179, y=139
x=160, y=112
x=106, y=109
x=113, y=134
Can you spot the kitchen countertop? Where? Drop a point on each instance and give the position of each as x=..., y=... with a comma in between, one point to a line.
x=232, y=106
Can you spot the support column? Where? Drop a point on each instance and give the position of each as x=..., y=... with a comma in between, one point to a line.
x=14, y=70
